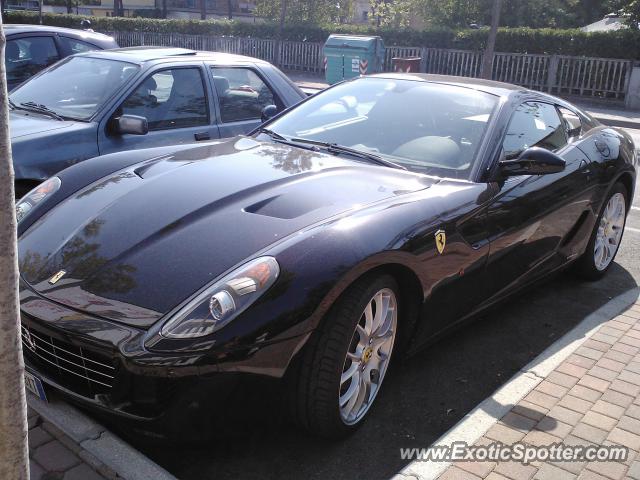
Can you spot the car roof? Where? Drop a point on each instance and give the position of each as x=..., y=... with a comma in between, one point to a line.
x=154, y=54
x=489, y=86
x=13, y=28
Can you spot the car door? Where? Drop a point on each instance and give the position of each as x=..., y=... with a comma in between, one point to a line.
x=242, y=93
x=175, y=101
x=533, y=219
x=26, y=55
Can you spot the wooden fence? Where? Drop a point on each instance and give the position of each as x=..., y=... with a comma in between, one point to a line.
x=558, y=74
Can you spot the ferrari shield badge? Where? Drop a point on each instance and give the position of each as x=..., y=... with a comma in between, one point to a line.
x=53, y=280
x=441, y=240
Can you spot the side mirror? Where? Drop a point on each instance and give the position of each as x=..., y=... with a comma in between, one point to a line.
x=131, y=124
x=533, y=161
x=268, y=112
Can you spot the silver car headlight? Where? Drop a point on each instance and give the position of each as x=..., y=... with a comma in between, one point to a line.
x=223, y=301
x=35, y=196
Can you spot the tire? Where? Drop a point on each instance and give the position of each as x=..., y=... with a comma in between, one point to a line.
x=316, y=390
x=592, y=266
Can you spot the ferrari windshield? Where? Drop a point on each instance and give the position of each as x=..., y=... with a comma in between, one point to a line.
x=75, y=88
x=427, y=127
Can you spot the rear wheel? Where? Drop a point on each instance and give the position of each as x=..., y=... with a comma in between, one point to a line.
x=606, y=236
x=347, y=359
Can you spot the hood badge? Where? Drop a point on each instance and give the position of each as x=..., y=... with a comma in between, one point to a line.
x=441, y=240
x=53, y=280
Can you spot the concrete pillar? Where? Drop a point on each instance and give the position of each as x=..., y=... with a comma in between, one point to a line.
x=632, y=97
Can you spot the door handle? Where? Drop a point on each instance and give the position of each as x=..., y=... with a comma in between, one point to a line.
x=202, y=136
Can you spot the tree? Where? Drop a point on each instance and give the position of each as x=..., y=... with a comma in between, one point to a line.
x=632, y=14
x=283, y=16
x=517, y=13
x=395, y=13
x=487, y=58
x=298, y=12
x=230, y=9
x=203, y=9
x=14, y=458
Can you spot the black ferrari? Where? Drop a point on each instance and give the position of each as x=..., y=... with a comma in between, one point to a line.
x=349, y=230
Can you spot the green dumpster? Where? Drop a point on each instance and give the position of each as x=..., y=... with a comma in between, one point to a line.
x=348, y=56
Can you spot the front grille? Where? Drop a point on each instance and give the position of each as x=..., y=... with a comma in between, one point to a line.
x=75, y=367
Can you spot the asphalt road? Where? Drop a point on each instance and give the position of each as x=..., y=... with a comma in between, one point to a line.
x=422, y=398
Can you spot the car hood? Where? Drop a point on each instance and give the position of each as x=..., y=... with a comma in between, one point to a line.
x=140, y=241
x=22, y=124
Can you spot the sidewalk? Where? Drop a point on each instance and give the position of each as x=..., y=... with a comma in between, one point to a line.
x=591, y=398
x=66, y=444
x=54, y=456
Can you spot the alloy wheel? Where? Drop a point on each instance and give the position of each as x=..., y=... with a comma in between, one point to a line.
x=368, y=356
x=609, y=231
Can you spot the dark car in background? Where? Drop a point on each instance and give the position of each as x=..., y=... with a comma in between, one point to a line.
x=101, y=102
x=31, y=48
x=356, y=227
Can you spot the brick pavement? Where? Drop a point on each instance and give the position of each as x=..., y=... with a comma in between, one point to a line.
x=592, y=398
x=54, y=456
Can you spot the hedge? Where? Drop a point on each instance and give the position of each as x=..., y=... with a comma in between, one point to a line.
x=618, y=44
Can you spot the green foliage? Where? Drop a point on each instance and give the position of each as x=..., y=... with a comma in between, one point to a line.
x=632, y=12
x=517, y=13
x=618, y=44
x=396, y=13
x=316, y=12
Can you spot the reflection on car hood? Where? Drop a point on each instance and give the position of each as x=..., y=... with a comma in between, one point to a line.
x=23, y=124
x=138, y=242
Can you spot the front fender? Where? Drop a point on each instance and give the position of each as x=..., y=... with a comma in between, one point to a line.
x=38, y=156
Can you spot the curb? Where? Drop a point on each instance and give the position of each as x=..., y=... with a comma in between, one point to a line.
x=616, y=122
x=477, y=422
x=114, y=453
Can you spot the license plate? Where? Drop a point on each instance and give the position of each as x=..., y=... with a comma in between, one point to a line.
x=34, y=385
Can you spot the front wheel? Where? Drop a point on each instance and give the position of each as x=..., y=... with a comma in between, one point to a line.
x=606, y=236
x=347, y=358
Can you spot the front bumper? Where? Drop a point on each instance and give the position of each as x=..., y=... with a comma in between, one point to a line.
x=103, y=366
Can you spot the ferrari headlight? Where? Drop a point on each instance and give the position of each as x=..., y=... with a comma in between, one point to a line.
x=219, y=304
x=35, y=196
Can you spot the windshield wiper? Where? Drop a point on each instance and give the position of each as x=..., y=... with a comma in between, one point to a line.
x=272, y=134
x=337, y=148
x=35, y=107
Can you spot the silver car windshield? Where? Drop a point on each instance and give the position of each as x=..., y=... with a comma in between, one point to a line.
x=76, y=88
x=427, y=127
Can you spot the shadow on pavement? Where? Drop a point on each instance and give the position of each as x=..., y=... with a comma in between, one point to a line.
x=424, y=397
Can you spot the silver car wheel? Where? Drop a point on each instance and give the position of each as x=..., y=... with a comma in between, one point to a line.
x=609, y=231
x=368, y=356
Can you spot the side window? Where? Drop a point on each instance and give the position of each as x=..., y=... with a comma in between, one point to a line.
x=172, y=98
x=242, y=94
x=572, y=121
x=77, y=46
x=26, y=56
x=534, y=124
